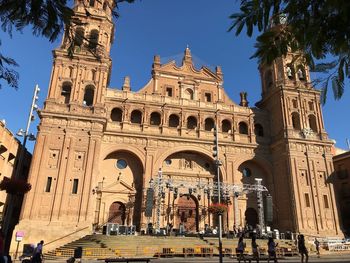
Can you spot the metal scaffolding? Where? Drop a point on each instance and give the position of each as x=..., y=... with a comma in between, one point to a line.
x=205, y=187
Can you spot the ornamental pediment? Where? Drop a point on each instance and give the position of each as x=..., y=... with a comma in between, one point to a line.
x=187, y=69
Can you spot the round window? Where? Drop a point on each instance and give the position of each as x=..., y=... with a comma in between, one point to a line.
x=168, y=161
x=121, y=164
x=246, y=172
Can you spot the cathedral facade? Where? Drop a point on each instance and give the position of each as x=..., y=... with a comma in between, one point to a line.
x=97, y=148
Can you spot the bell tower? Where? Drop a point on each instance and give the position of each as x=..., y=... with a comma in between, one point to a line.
x=69, y=137
x=300, y=148
x=290, y=78
x=82, y=64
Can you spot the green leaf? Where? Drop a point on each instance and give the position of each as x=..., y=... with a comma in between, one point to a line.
x=338, y=87
x=324, y=67
x=324, y=91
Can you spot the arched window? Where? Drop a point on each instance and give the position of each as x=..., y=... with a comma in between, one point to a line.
x=155, y=118
x=136, y=116
x=117, y=115
x=89, y=95
x=243, y=128
x=258, y=130
x=92, y=3
x=311, y=105
x=296, y=121
x=174, y=121
x=226, y=126
x=209, y=124
x=301, y=73
x=189, y=94
x=290, y=71
x=191, y=123
x=66, y=91
x=312, y=123
x=105, y=6
x=79, y=36
x=93, y=39
x=295, y=103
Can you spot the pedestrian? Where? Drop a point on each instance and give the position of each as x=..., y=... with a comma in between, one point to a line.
x=302, y=249
x=234, y=231
x=317, y=245
x=239, y=231
x=255, y=249
x=38, y=252
x=240, y=249
x=271, y=250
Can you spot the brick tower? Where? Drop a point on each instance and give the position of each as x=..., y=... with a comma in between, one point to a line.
x=70, y=131
x=301, y=150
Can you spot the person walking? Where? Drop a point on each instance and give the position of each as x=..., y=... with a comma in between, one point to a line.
x=271, y=250
x=317, y=245
x=38, y=252
x=302, y=249
x=255, y=249
x=240, y=249
x=234, y=231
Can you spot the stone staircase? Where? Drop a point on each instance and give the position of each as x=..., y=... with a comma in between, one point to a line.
x=101, y=246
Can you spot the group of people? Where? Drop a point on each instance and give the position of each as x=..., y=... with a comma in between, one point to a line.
x=303, y=250
x=271, y=249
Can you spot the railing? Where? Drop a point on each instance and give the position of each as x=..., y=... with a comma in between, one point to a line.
x=65, y=236
x=339, y=247
x=122, y=95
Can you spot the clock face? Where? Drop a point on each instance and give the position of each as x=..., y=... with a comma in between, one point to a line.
x=307, y=132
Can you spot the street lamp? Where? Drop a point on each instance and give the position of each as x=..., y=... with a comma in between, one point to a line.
x=25, y=133
x=218, y=164
x=21, y=133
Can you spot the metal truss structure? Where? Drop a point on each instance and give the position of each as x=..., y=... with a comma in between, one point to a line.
x=180, y=186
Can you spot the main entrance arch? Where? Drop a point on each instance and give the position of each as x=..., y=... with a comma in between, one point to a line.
x=187, y=213
x=122, y=180
x=251, y=217
x=191, y=168
x=117, y=213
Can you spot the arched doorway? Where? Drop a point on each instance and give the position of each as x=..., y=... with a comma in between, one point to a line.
x=123, y=175
x=187, y=213
x=251, y=217
x=117, y=213
x=185, y=166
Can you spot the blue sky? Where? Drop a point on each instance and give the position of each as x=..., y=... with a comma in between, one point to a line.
x=165, y=28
